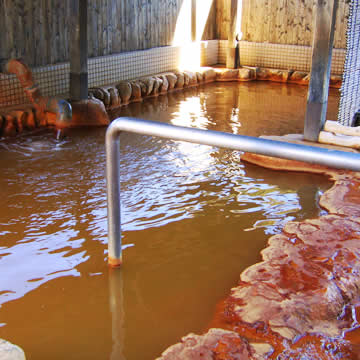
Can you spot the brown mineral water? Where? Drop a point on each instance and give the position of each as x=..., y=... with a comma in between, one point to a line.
x=193, y=217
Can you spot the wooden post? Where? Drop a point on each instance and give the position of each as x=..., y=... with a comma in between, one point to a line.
x=323, y=39
x=193, y=20
x=232, y=31
x=78, y=50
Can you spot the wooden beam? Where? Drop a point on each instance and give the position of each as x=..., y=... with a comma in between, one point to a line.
x=323, y=39
x=232, y=32
x=78, y=50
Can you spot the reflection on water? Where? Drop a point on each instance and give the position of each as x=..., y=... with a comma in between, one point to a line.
x=193, y=218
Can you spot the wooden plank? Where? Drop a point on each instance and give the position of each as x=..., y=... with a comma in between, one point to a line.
x=108, y=27
x=150, y=25
x=260, y=13
x=165, y=34
x=122, y=25
x=283, y=21
x=62, y=32
x=116, y=19
x=66, y=30
x=170, y=31
x=127, y=30
x=308, y=28
x=104, y=27
x=341, y=25
x=37, y=30
x=244, y=19
x=155, y=11
x=19, y=27
x=8, y=35
x=98, y=8
x=249, y=21
x=292, y=22
x=345, y=18
x=34, y=35
x=172, y=16
x=48, y=34
x=272, y=21
x=252, y=18
x=231, y=53
x=193, y=20
x=142, y=13
x=265, y=19
x=301, y=23
x=56, y=50
x=90, y=29
x=3, y=50
x=162, y=32
x=209, y=31
x=157, y=17
x=138, y=34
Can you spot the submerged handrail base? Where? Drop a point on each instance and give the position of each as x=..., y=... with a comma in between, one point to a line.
x=314, y=155
x=115, y=262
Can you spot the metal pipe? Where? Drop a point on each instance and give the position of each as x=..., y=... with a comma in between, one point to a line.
x=314, y=155
x=113, y=193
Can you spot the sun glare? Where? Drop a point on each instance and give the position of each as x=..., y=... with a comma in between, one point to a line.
x=189, y=57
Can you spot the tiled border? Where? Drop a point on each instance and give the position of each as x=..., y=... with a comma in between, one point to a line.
x=277, y=56
x=54, y=79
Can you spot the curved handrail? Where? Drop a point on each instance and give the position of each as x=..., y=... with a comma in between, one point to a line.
x=311, y=154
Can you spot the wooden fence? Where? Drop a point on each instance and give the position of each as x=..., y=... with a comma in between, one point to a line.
x=280, y=21
x=37, y=30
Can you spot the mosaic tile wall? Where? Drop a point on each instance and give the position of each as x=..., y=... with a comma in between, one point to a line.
x=54, y=79
x=350, y=89
x=278, y=56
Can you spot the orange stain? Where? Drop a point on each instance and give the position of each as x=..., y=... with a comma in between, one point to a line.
x=303, y=299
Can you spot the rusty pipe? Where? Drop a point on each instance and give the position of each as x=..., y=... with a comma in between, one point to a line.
x=43, y=104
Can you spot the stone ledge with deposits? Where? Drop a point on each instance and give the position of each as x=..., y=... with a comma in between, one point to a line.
x=303, y=300
x=127, y=91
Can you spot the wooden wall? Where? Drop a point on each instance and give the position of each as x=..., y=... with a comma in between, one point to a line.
x=37, y=31
x=279, y=21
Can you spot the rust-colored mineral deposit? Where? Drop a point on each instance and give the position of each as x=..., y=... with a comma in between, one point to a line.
x=303, y=300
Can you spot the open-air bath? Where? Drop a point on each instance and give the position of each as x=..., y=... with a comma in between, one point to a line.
x=228, y=251
x=193, y=216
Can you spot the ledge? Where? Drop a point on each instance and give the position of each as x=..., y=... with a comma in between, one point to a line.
x=302, y=300
x=16, y=120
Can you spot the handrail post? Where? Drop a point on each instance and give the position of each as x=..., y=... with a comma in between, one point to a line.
x=113, y=195
x=311, y=154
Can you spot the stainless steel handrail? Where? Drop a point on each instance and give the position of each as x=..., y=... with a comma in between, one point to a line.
x=311, y=154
